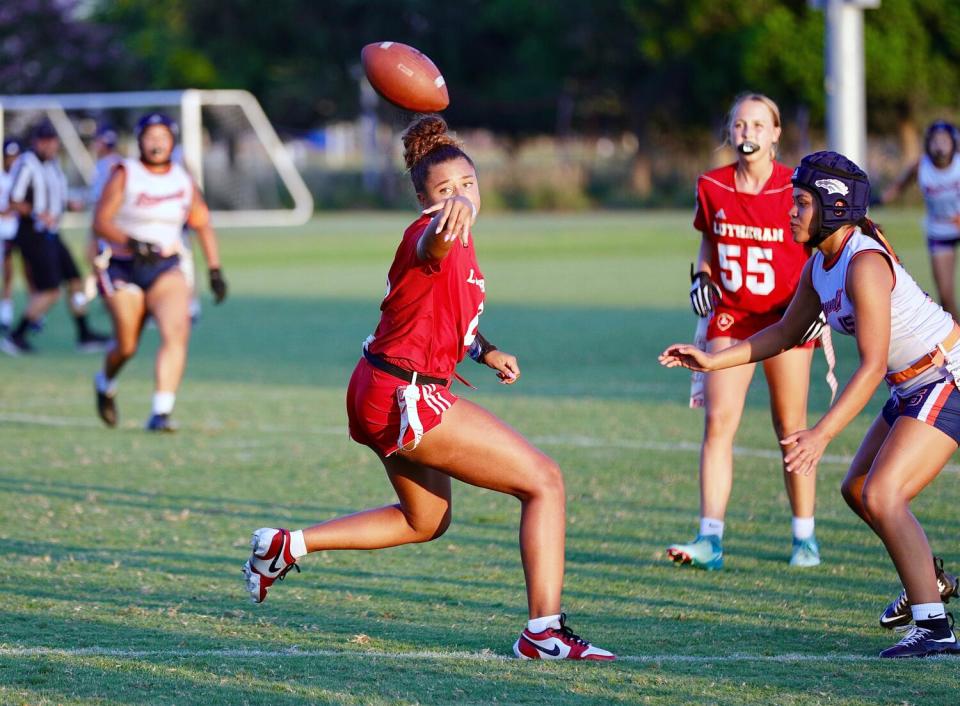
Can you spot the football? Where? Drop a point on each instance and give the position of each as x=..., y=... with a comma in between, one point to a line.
x=405, y=77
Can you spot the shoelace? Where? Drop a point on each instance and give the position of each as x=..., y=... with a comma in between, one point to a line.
x=567, y=634
x=913, y=636
x=286, y=571
x=902, y=603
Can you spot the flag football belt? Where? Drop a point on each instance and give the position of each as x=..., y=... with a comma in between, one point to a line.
x=935, y=357
x=398, y=372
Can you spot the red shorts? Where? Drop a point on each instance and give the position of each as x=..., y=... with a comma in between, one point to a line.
x=743, y=324
x=386, y=413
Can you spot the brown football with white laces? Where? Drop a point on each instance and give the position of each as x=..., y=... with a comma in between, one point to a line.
x=405, y=77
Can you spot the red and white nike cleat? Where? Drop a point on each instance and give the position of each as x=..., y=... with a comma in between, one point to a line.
x=557, y=643
x=271, y=561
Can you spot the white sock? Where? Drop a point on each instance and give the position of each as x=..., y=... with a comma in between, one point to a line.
x=709, y=525
x=6, y=312
x=540, y=624
x=298, y=547
x=802, y=527
x=163, y=402
x=105, y=384
x=928, y=611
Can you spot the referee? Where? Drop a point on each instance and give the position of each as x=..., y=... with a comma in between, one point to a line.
x=39, y=195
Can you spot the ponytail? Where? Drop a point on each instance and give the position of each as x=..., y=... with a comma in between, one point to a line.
x=872, y=230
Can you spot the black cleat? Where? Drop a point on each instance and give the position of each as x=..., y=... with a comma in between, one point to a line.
x=898, y=612
x=920, y=642
x=161, y=423
x=106, y=407
x=93, y=343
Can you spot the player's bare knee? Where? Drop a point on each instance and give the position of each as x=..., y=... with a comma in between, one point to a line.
x=720, y=425
x=881, y=503
x=850, y=490
x=548, y=480
x=428, y=527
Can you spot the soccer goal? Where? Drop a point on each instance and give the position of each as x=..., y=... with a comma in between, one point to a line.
x=249, y=177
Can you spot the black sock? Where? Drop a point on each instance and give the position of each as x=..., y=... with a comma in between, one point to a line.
x=82, y=330
x=938, y=627
x=21, y=330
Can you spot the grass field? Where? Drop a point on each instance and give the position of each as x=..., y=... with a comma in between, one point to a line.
x=121, y=552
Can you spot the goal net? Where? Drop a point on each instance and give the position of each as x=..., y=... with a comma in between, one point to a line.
x=249, y=177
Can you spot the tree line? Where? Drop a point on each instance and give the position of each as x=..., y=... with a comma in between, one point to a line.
x=517, y=67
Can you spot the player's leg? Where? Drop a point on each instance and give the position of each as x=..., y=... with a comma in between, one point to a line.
x=88, y=340
x=6, y=287
x=943, y=260
x=725, y=393
x=474, y=446
x=912, y=455
x=421, y=514
x=788, y=378
x=127, y=307
x=41, y=262
x=167, y=302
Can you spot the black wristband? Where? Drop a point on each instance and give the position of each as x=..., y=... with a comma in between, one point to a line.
x=480, y=347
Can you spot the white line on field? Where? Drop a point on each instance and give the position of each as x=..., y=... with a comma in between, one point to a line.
x=573, y=440
x=425, y=655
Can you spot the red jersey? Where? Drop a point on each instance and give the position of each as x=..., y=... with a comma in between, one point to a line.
x=431, y=309
x=754, y=258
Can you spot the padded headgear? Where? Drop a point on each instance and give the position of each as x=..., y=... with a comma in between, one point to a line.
x=12, y=147
x=156, y=119
x=841, y=188
x=948, y=128
x=107, y=135
x=43, y=130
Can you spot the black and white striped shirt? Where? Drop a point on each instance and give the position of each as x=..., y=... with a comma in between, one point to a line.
x=43, y=184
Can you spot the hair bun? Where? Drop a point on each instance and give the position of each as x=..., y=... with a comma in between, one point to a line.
x=425, y=134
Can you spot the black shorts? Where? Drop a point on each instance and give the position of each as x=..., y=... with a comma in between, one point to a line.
x=45, y=257
x=123, y=272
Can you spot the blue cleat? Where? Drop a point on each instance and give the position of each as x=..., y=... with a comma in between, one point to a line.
x=806, y=552
x=705, y=552
x=920, y=642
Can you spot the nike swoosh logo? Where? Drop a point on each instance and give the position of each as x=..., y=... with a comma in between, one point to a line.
x=273, y=564
x=553, y=653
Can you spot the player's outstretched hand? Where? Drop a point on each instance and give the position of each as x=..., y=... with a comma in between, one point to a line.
x=687, y=356
x=457, y=216
x=218, y=285
x=508, y=370
x=804, y=450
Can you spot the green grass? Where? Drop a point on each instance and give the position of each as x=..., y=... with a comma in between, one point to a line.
x=121, y=552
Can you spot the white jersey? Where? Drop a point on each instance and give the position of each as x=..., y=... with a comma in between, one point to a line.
x=917, y=323
x=155, y=206
x=941, y=192
x=43, y=184
x=8, y=224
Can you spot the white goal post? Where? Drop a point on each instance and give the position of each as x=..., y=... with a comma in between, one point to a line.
x=227, y=142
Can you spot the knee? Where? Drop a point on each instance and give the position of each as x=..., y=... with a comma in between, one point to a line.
x=125, y=348
x=431, y=527
x=881, y=503
x=852, y=494
x=546, y=481
x=720, y=423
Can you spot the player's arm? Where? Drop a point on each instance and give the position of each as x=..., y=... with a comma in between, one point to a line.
x=900, y=183
x=108, y=206
x=482, y=351
x=199, y=219
x=869, y=286
x=803, y=311
x=452, y=221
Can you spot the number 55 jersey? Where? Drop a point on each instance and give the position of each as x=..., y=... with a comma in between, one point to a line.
x=753, y=257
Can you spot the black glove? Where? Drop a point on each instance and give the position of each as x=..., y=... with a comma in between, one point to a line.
x=704, y=294
x=218, y=285
x=815, y=329
x=143, y=253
